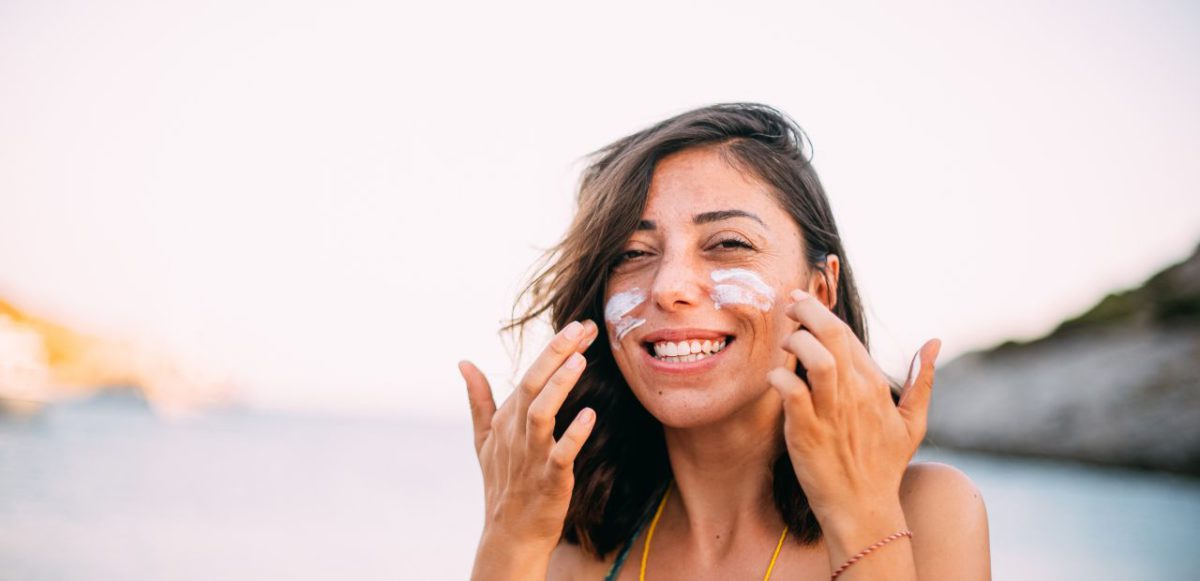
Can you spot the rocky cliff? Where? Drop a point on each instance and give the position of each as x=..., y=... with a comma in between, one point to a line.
x=1119, y=384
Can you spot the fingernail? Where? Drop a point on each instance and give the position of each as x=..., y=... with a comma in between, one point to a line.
x=916, y=368
x=799, y=295
x=573, y=330
x=593, y=330
x=575, y=361
x=586, y=416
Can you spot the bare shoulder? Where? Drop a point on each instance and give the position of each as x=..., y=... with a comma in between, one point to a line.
x=570, y=562
x=946, y=513
x=936, y=495
x=922, y=479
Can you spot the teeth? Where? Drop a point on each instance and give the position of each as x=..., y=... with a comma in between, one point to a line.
x=682, y=351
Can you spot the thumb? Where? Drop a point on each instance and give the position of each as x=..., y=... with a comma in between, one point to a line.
x=914, y=401
x=483, y=405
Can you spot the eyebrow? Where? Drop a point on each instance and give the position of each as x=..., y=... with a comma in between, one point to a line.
x=708, y=217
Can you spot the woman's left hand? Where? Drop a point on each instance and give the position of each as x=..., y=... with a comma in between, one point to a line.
x=849, y=444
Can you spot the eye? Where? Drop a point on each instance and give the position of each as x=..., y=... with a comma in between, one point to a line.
x=733, y=243
x=627, y=256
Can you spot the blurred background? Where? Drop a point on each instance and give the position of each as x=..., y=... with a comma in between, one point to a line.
x=243, y=245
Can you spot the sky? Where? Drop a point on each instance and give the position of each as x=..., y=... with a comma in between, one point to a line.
x=335, y=202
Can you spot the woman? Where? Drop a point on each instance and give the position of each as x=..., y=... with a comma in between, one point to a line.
x=708, y=408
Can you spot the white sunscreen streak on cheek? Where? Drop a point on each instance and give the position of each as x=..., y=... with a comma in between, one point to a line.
x=617, y=309
x=738, y=286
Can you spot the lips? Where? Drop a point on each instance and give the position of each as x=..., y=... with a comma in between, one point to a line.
x=683, y=334
x=680, y=346
x=688, y=350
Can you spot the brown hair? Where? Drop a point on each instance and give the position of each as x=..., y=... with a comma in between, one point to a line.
x=623, y=466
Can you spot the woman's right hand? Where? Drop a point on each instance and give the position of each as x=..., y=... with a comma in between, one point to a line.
x=528, y=477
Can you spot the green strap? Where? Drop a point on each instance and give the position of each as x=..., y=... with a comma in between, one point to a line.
x=616, y=568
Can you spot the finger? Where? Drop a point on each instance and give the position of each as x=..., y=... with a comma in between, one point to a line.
x=539, y=428
x=821, y=367
x=831, y=331
x=914, y=402
x=573, y=337
x=483, y=405
x=564, y=452
x=864, y=364
x=795, y=393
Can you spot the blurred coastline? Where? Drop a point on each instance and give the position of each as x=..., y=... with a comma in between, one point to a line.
x=43, y=362
x=103, y=488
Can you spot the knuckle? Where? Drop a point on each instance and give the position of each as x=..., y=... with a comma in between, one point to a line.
x=846, y=335
x=830, y=330
x=795, y=342
x=558, y=379
x=777, y=377
x=560, y=346
x=824, y=365
x=541, y=420
x=795, y=397
x=559, y=461
x=841, y=327
x=528, y=388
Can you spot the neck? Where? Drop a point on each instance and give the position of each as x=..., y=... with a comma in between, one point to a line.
x=723, y=478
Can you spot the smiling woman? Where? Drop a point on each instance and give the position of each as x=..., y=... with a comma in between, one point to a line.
x=731, y=402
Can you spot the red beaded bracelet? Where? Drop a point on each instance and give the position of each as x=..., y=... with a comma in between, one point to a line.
x=864, y=552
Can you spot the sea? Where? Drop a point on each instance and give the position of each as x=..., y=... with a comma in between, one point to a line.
x=104, y=489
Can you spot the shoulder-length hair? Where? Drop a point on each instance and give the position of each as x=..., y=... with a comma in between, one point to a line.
x=623, y=466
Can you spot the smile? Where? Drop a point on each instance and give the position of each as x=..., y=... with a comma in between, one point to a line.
x=687, y=350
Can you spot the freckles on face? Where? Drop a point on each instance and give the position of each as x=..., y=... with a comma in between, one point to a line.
x=745, y=292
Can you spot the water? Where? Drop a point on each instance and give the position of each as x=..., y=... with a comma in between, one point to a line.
x=105, y=491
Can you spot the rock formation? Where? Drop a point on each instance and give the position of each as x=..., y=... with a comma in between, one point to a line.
x=1119, y=384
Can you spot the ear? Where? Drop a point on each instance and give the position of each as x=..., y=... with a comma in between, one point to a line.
x=825, y=286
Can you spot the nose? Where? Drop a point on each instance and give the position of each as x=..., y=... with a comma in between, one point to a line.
x=679, y=283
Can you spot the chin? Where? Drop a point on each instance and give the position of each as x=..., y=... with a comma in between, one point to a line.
x=693, y=407
x=694, y=393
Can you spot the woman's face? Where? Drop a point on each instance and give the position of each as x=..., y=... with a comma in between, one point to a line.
x=695, y=306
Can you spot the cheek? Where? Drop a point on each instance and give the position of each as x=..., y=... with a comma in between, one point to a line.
x=619, y=313
x=770, y=329
x=740, y=286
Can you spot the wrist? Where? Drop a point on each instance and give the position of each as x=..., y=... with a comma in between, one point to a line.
x=850, y=531
x=502, y=555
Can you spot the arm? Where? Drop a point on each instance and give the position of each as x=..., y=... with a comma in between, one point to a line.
x=946, y=514
x=949, y=521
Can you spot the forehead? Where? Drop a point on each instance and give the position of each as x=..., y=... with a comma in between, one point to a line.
x=700, y=180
